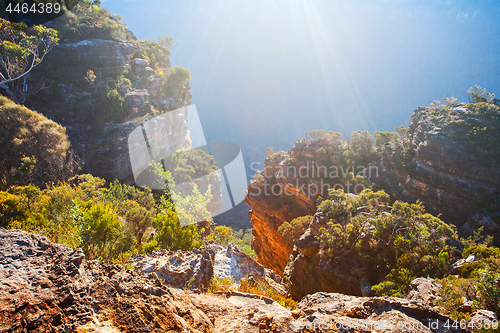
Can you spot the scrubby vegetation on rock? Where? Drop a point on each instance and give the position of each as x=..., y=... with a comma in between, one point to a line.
x=35, y=150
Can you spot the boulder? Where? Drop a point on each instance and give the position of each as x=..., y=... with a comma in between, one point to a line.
x=483, y=319
x=425, y=291
x=337, y=312
x=194, y=269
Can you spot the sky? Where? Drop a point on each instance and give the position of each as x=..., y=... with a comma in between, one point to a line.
x=265, y=71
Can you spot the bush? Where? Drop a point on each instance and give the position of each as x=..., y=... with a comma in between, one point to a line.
x=261, y=287
x=291, y=231
x=221, y=284
x=390, y=245
x=34, y=149
x=478, y=94
x=171, y=235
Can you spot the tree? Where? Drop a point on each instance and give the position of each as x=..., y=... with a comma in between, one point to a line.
x=21, y=50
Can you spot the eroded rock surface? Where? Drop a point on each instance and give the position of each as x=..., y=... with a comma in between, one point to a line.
x=369, y=314
x=445, y=171
x=194, y=269
x=47, y=287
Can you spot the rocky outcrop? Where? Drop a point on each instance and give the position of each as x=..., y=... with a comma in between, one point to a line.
x=449, y=166
x=97, y=135
x=194, y=269
x=47, y=287
x=286, y=189
x=337, y=312
x=107, y=53
x=309, y=270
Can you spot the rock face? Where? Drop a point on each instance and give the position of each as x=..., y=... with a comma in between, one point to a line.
x=337, y=312
x=48, y=287
x=453, y=170
x=105, y=52
x=308, y=270
x=194, y=269
x=282, y=195
x=69, y=99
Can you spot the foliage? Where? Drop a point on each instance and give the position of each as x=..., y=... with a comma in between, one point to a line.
x=478, y=130
x=261, y=287
x=156, y=53
x=111, y=222
x=478, y=94
x=170, y=234
x=220, y=235
x=10, y=209
x=21, y=50
x=392, y=245
x=223, y=284
x=34, y=149
x=291, y=231
x=360, y=150
x=477, y=281
x=243, y=239
x=176, y=83
x=325, y=138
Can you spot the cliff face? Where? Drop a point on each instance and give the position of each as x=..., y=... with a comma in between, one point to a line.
x=280, y=196
x=448, y=159
x=99, y=131
x=452, y=165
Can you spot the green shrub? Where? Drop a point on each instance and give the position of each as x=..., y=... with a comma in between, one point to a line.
x=221, y=284
x=34, y=149
x=291, y=231
x=220, y=235
x=390, y=245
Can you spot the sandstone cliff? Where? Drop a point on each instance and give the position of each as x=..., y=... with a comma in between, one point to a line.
x=450, y=164
x=133, y=91
x=447, y=159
